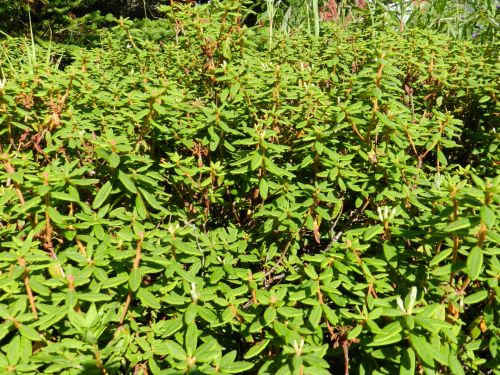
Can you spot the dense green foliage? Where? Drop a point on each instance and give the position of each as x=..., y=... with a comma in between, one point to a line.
x=78, y=21
x=195, y=196
x=74, y=21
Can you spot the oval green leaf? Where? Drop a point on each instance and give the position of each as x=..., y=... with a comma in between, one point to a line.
x=256, y=349
x=475, y=263
x=102, y=195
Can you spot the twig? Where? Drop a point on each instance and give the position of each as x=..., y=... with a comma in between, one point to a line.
x=345, y=348
x=456, y=240
x=334, y=237
x=29, y=292
x=10, y=169
x=48, y=227
x=464, y=286
x=71, y=288
x=122, y=24
x=280, y=259
x=135, y=265
x=81, y=247
x=268, y=283
x=414, y=149
x=356, y=131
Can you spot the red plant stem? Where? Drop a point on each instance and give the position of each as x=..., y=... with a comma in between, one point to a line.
x=135, y=265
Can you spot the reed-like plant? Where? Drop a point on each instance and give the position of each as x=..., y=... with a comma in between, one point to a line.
x=461, y=19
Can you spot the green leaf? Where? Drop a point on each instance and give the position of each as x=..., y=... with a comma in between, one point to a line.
x=432, y=325
x=476, y=297
x=150, y=199
x=493, y=346
x=54, y=215
x=475, y=263
x=206, y=352
x=323, y=213
x=487, y=216
x=372, y=231
x=140, y=207
x=176, y=350
x=153, y=366
x=148, y=298
x=455, y=365
x=49, y=320
x=353, y=333
x=311, y=272
x=214, y=139
x=115, y=281
x=423, y=349
x=330, y=314
x=207, y=314
x=285, y=369
x=62, y=196
x=127, y=182
x=102, y=195
x=135, y=279
x=94, y=297
x=441, y=158
x=407, y=366
x=13, y=351
x=274, y=169
x=81, y=182
x=256, y=349
x=315, y=315
x=270, y=315
x=389, y=335
x=289, y=312
x=191, y=338
x=169, y=327
x=263, y=188
x=174, y=299
x=114, y=160
x=433, y=142
x=256, y=326
x=29, y=332
x=439, y=356
x=183, y=273
x=440, y=257
x=484, y=99
x=77, y=320
x=457, y=225
x=237, y=367
x=386, y=338
x=391, y=255
x=256, y=160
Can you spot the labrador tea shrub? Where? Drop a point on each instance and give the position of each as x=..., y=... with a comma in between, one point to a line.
x=193, y=197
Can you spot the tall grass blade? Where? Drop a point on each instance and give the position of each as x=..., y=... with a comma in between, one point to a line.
x=33, y=49
x=316, y=17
